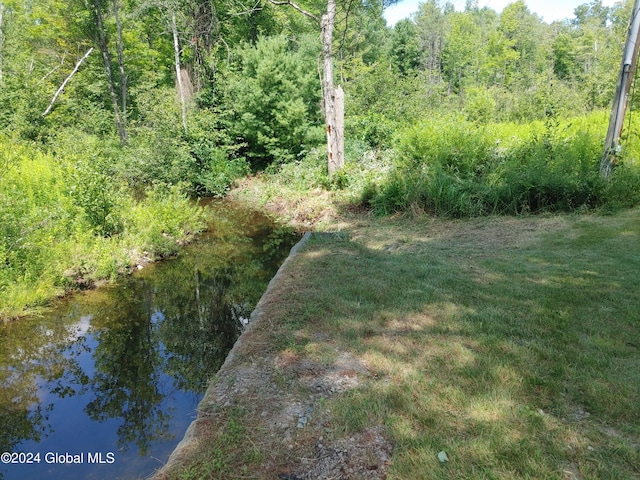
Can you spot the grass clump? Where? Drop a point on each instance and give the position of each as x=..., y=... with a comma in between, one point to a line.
x=456, y=168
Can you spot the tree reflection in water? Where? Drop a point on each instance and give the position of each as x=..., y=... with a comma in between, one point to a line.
x=131, y=356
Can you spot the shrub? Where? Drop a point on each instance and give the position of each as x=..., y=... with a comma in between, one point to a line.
x=62, y=221
x=273, y=98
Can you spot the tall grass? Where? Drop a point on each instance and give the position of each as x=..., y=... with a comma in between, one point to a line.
x=453, y=167
x=64, y=222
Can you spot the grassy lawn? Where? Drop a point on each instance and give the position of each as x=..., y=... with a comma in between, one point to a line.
x=511, y=344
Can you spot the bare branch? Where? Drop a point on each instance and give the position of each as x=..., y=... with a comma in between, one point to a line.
x=66, y=80
x=248, y=10
x=296, y=7
x=64, y=56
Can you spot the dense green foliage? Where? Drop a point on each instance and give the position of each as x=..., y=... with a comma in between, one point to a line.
x=456, y=168
x=62, y=223
x=273, y=99
x=196, y=94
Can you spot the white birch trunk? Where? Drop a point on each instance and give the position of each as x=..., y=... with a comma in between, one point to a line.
x=66, y=80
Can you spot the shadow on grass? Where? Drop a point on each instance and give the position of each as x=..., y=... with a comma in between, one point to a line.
x=520, y=358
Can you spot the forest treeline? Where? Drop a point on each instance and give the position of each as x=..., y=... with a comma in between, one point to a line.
x=114, y=112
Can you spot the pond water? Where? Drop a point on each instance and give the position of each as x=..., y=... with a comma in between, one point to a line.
x=106, y=384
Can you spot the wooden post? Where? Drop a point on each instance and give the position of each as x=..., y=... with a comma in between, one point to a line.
x=621, y=99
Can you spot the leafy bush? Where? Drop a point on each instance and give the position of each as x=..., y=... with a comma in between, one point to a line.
x=62, y=221
x=162, y=219
x=273, y=99
x=374, y=129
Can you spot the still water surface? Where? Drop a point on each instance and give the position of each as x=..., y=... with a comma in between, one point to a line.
x=106, y=385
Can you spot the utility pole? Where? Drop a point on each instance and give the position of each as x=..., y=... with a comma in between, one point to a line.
x=621, y=99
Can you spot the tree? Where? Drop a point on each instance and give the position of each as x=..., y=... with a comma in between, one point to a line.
x=100, y=35
x=460, y=49
x=271, y=98
x=431, y=24
x=333, y=98
x=2, y=7
x=405, y=50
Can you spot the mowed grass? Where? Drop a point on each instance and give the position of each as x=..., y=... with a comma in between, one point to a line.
x=512, y=344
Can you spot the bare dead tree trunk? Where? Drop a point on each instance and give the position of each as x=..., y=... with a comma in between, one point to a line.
x=66, y=80
x=106, y=60
x=332, y=103
x=120, y=51
x=176, y=51
x=333, y=99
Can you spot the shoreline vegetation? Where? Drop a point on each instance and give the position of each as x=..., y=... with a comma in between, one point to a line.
x=476, y=312
x=70, y=219
x=67, y=226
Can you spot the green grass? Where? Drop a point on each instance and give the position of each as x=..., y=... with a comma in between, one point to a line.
x=450, y=167
x=511, y=344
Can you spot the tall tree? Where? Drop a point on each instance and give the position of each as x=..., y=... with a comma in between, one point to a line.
x=431, y=24
x=100, y=34
x=333, y=98
x=2, y=7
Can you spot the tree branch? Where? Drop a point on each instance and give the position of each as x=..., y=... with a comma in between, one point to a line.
x=66, y=80
x=248, y=11
x=54, y=69
x=296, y=7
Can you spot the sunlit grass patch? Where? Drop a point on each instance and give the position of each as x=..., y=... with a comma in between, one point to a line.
x=513, y=360
x=511, y=344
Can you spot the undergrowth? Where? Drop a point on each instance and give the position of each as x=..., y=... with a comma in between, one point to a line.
x=455, y=168
x=460, y=169
x=64, y=223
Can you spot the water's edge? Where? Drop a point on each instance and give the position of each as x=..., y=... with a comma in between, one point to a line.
x=228, y=365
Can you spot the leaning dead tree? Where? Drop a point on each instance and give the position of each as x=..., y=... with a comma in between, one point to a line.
x=66, y=80
x=333, y=98
x=621, y=99
x=171, y=12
